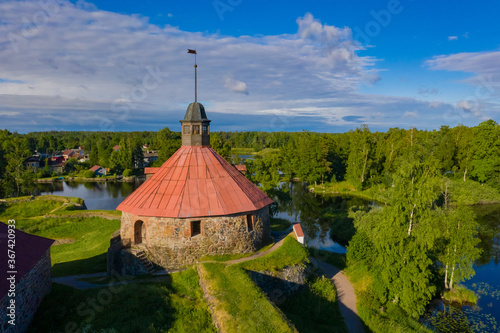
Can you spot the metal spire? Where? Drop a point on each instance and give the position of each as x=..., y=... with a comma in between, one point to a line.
x=195, y=76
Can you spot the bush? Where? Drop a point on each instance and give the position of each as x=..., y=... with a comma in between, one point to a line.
x=89, y=174
x=127, y=173
x=460, y=295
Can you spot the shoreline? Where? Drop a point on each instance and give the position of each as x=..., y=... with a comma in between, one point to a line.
x=88, y=180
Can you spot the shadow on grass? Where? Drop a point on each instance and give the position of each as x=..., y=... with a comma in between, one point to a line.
x=127, y=308
x=314, y=309
x=94, y=264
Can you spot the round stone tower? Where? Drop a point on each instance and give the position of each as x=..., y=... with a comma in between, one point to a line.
x=195, y=204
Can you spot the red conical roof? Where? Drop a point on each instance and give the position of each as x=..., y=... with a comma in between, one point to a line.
x=195, y=182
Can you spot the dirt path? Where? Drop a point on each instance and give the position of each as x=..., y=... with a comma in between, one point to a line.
x=256, y=255
x=280, y=238
x=345, y=294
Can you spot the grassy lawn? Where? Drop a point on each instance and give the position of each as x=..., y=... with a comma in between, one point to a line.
x=289, y=254
x=376, y=193
x=22, y=207
x=278, y=224
x=82, y=213
x=251, y=151
x=240, y=305
x=87, y=254
x=225, y=257
x=242, y=151
x=171, y=306
x=315, y=309
x=87, y=235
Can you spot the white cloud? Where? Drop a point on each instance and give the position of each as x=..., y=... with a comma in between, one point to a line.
x=482, y=101
x=452, y=38
x=479, y=63
x=88, y=68
x=469, y=107
x=236, y=86
x=411, y=114
x=8, y=113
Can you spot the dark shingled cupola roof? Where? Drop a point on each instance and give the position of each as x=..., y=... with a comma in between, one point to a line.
x=195, y=112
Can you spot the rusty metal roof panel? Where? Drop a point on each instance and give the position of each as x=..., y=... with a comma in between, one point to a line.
x=195, y=182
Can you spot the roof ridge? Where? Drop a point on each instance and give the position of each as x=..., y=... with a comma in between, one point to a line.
x=209, y=173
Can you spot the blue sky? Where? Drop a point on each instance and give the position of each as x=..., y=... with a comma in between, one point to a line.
x=326, y=66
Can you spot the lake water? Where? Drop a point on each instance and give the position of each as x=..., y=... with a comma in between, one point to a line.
x=295, y=203
x=105, y=195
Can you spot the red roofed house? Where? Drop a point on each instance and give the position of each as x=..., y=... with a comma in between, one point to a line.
x=69, y=153
x=195, y=204
x=99, y=171
x=23, y=285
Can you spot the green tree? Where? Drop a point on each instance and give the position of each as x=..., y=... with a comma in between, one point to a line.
x=486, y=158
x=46, y=168
x=464, y=137
x=443, y=148
x=18, y=180
x=457, y=251
x=360, y=157
x=167, y=142
x=115, y=163
x=94, y=156
x=89, y=174
x=265, y=171
x=460, y=249
x=403, y=235
x=104, y=153
x=221, y=146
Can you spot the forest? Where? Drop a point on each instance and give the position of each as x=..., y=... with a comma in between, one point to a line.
x=419, y=241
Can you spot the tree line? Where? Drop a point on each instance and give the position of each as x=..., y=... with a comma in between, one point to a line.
x=362, y=157
x=366, y=158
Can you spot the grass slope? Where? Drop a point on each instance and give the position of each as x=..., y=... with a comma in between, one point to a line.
x=289, y=254
x=87, y=254
x=240, y=306
x=175, y=306
x=22, y=207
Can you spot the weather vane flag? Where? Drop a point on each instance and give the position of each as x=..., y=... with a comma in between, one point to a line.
x=195, y=66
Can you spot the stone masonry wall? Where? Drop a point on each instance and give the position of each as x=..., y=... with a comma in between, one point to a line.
x=30, y=291
x=169, y=244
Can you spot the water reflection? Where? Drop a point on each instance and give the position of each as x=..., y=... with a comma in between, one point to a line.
x=97, y=195
x=324, y=218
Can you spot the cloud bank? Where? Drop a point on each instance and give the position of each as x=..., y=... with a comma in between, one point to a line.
x=72, y=66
